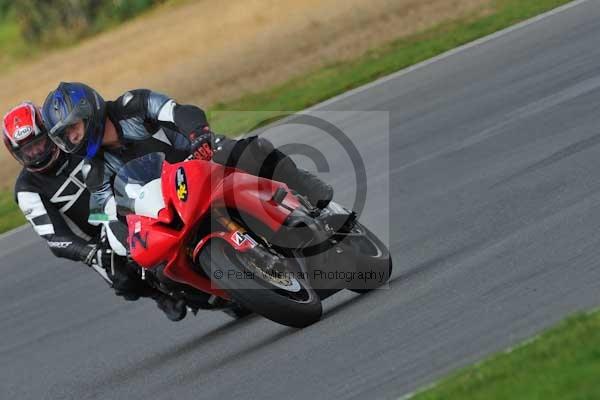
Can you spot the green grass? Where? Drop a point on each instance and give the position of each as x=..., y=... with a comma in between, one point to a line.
x=15, y=49
x=564, y=363
x=10, y=215
x=304, y=91
x=13, y=45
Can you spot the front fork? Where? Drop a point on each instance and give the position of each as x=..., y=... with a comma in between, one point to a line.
x=236, y=235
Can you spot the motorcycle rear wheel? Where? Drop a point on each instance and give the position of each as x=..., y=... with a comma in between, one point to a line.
x=371, y=255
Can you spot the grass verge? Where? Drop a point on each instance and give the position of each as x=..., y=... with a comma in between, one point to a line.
x=307, y=90
x=15, y=48
x=10, y=215
x=12, y=44
x=563, y=363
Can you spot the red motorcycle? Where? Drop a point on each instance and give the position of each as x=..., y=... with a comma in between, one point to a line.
x=219, y=238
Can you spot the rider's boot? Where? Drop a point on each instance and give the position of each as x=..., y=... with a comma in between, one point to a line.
x=130, y=286
x=318, y=192
x=307, y=184
x=125, y=281
x=237, y=311
x=174, y=309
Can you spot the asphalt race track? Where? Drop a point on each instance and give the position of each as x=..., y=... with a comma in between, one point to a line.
x=493, y=217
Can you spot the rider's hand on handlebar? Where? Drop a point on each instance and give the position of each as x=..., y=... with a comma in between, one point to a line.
x=202, y=144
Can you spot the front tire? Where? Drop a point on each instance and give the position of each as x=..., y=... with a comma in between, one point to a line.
x=296, y=305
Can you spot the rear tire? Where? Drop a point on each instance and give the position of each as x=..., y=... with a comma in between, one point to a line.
x=299, y=309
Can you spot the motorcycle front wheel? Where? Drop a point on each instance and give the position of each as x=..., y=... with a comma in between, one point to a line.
x=280, y=293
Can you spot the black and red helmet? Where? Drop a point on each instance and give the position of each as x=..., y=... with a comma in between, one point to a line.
x=27, y=140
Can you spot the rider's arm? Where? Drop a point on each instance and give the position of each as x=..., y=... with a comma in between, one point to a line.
x=103, y=211
x=49, y=224
x=98, y=178
x=185, y=123
x=185, y=118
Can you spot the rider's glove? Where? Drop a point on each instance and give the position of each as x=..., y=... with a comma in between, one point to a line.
x=202, y=144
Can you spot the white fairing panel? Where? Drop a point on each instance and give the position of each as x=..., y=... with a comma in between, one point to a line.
x=148, y=198
x=115, y=244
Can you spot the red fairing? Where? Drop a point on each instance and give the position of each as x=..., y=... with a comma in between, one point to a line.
x=190, y=189
x=254, y=196
x=214, y=185
x=238, y=240
x=180, y=270
x=148, y=233
x=190, y=196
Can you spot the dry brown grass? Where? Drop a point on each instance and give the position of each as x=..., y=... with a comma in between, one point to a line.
x=211, y=50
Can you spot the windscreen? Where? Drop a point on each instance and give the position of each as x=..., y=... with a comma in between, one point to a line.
x=138, y=186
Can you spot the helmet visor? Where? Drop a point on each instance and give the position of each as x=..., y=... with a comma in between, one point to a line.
x=69, y=132
x=36, y=152
x=70, y=138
